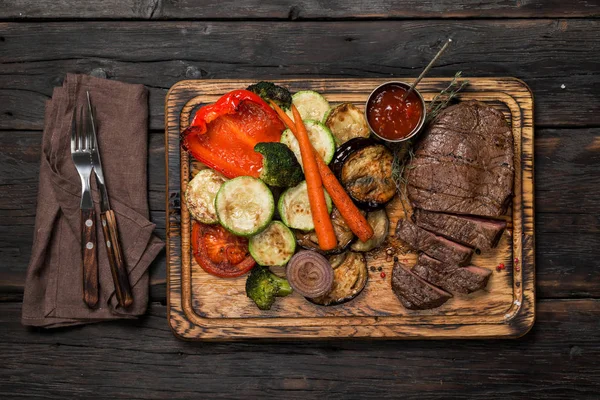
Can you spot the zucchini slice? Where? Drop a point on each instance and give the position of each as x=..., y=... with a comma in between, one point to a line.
x=350, y=276
x=310, y=105
x=294, y=207
x=320, y=136
x=274, y=246
x=244, y=205
x=381, y=225
x=200, y=195
x=347, y=122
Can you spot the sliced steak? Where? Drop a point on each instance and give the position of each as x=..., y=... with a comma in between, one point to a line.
x=452, y=278
x=413, y=292
x=464, y=162
x=477, y=232
x=433, y=245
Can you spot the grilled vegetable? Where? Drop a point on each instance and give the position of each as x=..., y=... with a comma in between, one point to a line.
x=310, y=274
x=381, y=225
x=244, y=206
x=352, y=215
x=219, y=252
x=350, y=276
x=319, y=136
x=311, y=105
x=344, y=236
x=364, y=168
x=294, y=207
x=280, y=167
x=200, y=195
x=263, y=287
x=268, y=91
x=223, y=135
x=274, y=246
x=347, y=122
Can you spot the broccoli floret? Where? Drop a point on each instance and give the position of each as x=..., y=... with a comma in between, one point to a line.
x=263, y=287
x=280, y=166
x=269, y=91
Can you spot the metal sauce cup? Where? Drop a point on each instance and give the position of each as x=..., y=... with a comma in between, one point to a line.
x=417, y=128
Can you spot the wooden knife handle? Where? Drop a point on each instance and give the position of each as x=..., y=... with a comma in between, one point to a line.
x=115, y=259
x=89, y=257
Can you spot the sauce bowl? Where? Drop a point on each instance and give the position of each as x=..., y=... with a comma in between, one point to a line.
x=390, y=85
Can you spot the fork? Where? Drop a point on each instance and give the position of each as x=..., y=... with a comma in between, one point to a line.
x=81, y=153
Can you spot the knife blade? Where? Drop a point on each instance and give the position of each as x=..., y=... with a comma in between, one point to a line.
x=109, y=222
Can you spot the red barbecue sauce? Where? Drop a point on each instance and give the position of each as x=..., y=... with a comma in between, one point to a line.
x=391, y=117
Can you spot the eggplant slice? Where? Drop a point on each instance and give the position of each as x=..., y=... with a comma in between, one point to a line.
x=364, y=168
x=349, y=279
x=381, y=224
x=346, y=122
x=343, y=234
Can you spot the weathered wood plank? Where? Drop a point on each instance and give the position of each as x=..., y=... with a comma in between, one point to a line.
x=567, y=223
x=545, y=53
x=294, y=10
x=556, y=360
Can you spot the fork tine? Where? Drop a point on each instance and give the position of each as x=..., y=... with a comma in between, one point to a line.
x=89, y=132
x=84, y=129
x=73, y=132
x=80, y=129
x=94, y=133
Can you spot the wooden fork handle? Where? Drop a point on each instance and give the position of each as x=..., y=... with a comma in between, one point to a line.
x=89, y=258
x=115, y=258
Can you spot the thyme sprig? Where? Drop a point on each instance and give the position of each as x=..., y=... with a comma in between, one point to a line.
x=445, y=97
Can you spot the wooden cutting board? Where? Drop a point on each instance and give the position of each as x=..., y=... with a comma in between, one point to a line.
x=203, y=307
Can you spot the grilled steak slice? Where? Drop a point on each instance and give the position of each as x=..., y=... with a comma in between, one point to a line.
x=464, y=163
x=413, y=292
x=477, y=232
x=452, y=278
x=433, y=245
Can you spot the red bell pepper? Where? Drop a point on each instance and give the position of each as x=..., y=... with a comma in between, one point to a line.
x=223, y=135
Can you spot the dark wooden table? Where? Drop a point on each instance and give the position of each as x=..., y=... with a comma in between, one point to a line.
x=552, y=45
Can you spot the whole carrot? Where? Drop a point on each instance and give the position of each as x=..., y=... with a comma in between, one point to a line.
x=316, y=196
x=357, y=222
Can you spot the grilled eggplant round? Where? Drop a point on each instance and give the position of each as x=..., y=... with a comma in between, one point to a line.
x=350, y=276
x=343, y=234
x=381, y=224
x=364, y=168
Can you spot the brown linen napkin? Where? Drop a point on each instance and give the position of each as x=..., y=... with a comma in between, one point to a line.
x=53, y=287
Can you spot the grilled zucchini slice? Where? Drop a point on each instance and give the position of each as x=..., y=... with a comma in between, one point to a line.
x=274, y=246
x=200, y=195
x=294, y=207
x=320, y=136
x=244, y=205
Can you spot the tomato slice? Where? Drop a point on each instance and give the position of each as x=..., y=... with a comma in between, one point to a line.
x=220, y=252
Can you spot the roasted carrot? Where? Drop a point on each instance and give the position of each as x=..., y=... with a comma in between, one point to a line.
x=357, y=223
x=316, y=195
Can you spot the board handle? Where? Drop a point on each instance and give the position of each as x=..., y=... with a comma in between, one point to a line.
x=89, y=258
x=115, y=259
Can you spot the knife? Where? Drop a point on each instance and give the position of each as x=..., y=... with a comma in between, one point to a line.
x=109, y=223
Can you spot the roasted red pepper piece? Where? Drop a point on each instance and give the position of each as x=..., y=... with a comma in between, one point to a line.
x=223, y=135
